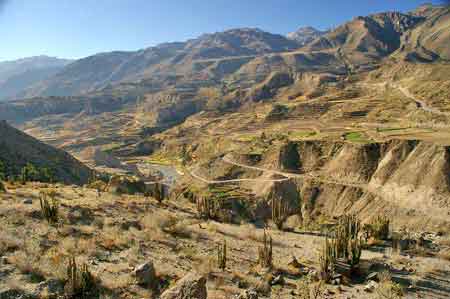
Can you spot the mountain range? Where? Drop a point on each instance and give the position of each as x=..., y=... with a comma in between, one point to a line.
x=420, y=35
x=18, y=75
x=240, y=64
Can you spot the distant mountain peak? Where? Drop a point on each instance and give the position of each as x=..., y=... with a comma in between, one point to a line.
x=305, y=35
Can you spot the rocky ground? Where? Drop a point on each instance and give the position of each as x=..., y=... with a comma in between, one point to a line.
x=136, y=247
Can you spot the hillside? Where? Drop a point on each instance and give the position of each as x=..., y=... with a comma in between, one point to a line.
x=18, y=149
x=18, y=75
x=98, y=71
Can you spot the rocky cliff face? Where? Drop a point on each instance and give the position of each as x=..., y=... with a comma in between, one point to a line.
x=407, y=180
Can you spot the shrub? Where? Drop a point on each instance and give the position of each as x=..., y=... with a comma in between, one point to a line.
x=387, y=288
x=307, y=289
x=378, y=228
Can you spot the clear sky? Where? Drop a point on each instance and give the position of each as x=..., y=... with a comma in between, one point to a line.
x=78, y=28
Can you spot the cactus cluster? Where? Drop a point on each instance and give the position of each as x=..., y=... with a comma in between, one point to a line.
x=49, y=208
x=222, y=255
x=80, y=282
x=207, y=208
x=347, y=240
x=345, y=244
x=265, y=252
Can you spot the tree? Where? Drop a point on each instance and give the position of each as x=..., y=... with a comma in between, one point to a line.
x=29, y=173
x=2, y=171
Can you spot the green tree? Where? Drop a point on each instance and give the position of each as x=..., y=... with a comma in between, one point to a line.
x=2, y=171
x=29, y=173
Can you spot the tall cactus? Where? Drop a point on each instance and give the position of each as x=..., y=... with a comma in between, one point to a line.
x=49, y=209
x=222, y=255
x=327, y=260
x=80, y=282
x=279, y=211
x=265, y=252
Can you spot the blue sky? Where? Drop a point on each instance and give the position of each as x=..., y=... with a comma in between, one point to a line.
x=78, y=28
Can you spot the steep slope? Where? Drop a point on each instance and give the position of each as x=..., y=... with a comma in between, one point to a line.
x=17, y=75
x=17, y=149
x=366, y=40
x=430, y=40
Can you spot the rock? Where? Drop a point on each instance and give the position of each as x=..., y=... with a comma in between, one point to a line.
x=372, y=276
x=336, y=281
x=126, y=224
x=192, y=286
x=248, y=294
x=145, y=274
x=14, y=294
x=27, y=201
x=4, y=260
x=277, y=280
x=294, y=263
x=49, y=288
x=370, y=287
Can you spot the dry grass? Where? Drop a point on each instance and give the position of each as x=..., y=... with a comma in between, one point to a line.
x=8, y=243
x=28, y=264
x=114, y=238
x=445, y=254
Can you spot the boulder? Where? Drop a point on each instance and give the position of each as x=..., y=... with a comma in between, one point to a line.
x=248, y=294
x=145, y=274
x=50, y=288
x=126, y=185
x=371, y=286
x=14, y=294
x=192, y=286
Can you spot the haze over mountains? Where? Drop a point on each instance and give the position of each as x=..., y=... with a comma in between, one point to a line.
x=360, y=43
x=15, y=76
